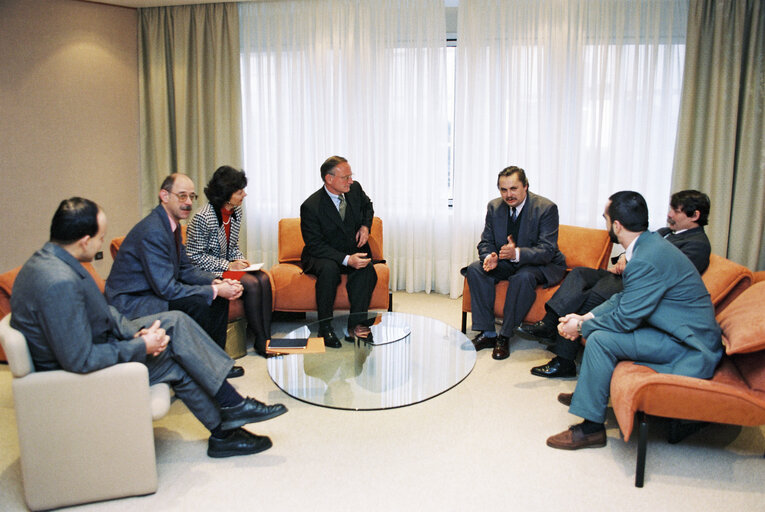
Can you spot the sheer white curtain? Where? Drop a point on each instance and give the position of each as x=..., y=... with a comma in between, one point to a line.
x=583, y=94
x=363, y=80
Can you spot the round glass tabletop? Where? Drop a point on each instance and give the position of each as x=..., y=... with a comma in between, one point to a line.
x=404, y=359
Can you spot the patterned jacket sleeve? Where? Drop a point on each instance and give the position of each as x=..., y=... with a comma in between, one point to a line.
x=202, y=245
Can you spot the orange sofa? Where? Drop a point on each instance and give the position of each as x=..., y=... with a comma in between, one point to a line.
x=6, y=287
x=295, y=291
x=583, y=247
x=734, y=395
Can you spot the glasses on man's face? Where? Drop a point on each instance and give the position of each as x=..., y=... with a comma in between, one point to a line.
x=344, y=178
x=183, y=196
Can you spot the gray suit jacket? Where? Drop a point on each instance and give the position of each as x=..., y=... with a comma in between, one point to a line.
x=664, y=291
x=148, y=272
x=537, y=235
x=65, y=319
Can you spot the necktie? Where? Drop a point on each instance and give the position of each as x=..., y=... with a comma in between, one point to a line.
x=177, y=234
x=512, y=215
x=341, y=208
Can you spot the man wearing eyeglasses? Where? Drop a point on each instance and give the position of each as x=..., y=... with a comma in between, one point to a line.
x=151, y=272
x=335, y=222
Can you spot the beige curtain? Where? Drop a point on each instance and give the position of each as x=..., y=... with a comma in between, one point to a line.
x=720, y=144
x=190, y=99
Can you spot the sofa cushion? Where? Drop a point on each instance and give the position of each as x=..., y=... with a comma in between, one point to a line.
x=725, y=280
x=743, y=322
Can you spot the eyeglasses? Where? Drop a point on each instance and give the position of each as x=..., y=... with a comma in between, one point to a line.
x=344, y=178
x=183, y=196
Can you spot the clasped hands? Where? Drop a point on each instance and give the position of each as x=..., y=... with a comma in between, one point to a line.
x=359, y=260
x=506, y=252
x=569, y=325
x=230, y=289
x=155, y=337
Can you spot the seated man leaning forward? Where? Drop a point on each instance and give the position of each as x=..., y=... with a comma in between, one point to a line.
x=335, y=222
x=519, y=243
x=152, y=272
x=585, y=288
x=59, y=309
x=663, y=319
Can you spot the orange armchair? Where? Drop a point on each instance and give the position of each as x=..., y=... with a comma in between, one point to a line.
x=295, y=291
x=583, y=247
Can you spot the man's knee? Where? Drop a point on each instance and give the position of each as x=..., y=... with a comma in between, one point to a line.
x=523, y=281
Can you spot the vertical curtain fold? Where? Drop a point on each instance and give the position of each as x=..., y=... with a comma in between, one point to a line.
x=583, y=94
x=721, y=133
x=189, y=93
x=363, y=80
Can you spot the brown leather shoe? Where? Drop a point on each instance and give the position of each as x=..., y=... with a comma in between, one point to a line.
x=574, y=439
x=481, y=342
x=565, y=398
x=501, y=348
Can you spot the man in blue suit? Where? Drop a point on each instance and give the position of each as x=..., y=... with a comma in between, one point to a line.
x=152, y=272
x=68, y=325
x=519, y=243
x=663, y=319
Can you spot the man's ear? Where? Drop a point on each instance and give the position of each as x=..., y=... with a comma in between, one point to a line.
x=164, y=195
x=695, y=216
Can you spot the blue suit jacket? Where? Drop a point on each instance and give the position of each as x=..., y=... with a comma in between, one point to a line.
x=664, y=291
x=148, y=273
x=537, y=235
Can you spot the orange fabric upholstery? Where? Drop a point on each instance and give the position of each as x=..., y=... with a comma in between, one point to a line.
x=6, y=287
x=759, y=276
x=295, y=291
x=583, y=247
x=725, y=280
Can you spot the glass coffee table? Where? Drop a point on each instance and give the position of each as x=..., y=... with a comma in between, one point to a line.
x=407, y=359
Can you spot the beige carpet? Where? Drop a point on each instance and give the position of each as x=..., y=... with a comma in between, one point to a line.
x=479, y=446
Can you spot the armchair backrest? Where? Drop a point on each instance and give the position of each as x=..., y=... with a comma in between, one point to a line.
x=291, y=240
x=16, y=349
x=584, y=247
x=725, y=280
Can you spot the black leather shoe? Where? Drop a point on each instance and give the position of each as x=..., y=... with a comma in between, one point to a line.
x=239, y=442
x=481, y=342
x=249, y=411
x=539, y=331
x=501, y=348
x=330, y=339
x=234, y=372
x=557, y=367
x=565, y=398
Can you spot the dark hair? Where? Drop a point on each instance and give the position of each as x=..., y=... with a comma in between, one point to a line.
x=509, y=171
x=225, y=181
x=630, y=209
x=690, y=202
x=167, y=184
x=75, y=218
x=329, y=164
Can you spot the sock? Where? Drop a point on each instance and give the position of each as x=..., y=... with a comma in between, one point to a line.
x=590, y=427
x=219, y=433
x=490, y=334
x=227, y=395
x=550, y=319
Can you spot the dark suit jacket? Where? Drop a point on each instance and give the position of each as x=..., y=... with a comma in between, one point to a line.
x=694, y=244
x=325, y=234
x=148, y=273
x=537, y=235
x=664, y=291
x=65, y=319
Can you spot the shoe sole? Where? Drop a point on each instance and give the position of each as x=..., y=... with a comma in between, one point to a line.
x=552, y=376
x=499, y=358
x=577, y=446
x=234, y=424
x=233, y=453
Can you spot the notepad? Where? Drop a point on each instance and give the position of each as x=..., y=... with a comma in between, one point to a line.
x=253, y=267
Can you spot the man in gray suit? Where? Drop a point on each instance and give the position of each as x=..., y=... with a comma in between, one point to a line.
x=152, y=272
x=519, y=243
x=663, y=319
x=67, y=323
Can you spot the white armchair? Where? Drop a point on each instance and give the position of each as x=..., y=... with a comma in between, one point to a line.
x=83, y=437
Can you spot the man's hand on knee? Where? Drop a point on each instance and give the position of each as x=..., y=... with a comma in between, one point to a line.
x=359, y=260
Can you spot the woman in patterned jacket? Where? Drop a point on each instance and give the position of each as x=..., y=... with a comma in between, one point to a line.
x=212, y=243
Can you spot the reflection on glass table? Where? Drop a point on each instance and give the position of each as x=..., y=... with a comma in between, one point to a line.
x=407, y=359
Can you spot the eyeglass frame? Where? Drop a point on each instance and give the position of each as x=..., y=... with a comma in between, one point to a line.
x=183, y=196
x=344, y=178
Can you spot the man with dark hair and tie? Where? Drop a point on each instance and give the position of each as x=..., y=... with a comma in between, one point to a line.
x=663, y=319
x=585, y=288
x=68, y=325
x=152, y=272
x=335, y=222
x=519, y=243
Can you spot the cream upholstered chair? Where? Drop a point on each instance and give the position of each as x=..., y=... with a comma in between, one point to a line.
x=83, y=437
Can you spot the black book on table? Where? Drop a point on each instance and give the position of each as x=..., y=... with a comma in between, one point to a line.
x=288, y=343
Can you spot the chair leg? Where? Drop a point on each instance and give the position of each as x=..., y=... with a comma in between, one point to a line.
x=390, y=302
x=642, y=442
x=464, y=322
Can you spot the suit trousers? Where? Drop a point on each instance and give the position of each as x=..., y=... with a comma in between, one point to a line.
x=521, y=293
x=213, y=318
x=360, y=285
x=604, y=350
x=192, y=365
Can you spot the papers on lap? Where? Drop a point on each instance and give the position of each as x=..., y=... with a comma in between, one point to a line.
x=253, y=267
